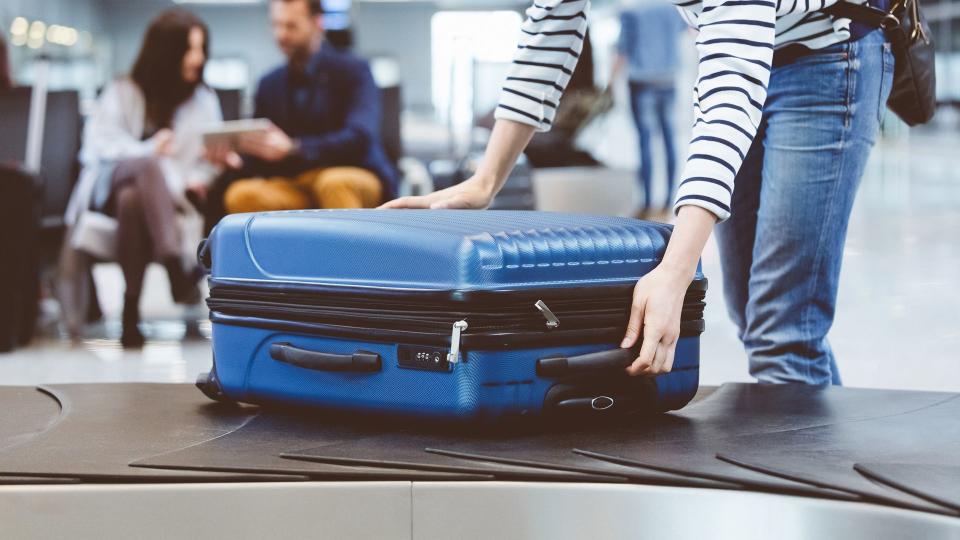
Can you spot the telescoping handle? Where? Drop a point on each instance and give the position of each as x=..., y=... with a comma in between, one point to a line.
x=358, y=362
x=585, y=364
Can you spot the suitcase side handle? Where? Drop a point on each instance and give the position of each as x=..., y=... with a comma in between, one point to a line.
x=358, y=362
x=585, y=364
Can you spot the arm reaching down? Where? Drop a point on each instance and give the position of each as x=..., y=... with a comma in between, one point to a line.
x=735, y=49
x=551, y=41
x=507, y=141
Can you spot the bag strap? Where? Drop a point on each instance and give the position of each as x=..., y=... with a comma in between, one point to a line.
x=868, y=15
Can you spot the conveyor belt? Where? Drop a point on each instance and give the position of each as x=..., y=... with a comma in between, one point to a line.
x=781, y=439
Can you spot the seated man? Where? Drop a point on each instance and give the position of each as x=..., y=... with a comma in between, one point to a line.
x=324, y=149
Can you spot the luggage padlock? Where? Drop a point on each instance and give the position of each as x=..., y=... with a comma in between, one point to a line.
x=454, y=355
x=552, y=320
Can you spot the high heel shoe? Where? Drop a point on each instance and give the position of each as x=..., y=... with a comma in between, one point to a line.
x=131, y=338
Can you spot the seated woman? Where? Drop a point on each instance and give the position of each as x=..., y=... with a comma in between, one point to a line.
x=142, y=154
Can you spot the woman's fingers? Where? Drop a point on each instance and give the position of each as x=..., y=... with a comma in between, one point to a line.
x=635, y=324
x=648, y=350
x=633, y=327
x=671, y=352
x=655, y=314
x=450, y=203
x=407, y=202
x=659, y=359
x=459, y=197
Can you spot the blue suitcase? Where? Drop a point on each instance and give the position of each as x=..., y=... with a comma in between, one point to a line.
x=475, y=315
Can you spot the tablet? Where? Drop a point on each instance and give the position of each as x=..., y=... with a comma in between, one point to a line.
x=228, y=132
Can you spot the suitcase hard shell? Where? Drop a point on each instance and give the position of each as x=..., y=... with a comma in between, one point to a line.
x=443, y=314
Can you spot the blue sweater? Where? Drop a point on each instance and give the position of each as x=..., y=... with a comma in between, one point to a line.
x=333, y=111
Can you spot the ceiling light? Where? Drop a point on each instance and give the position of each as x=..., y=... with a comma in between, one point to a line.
x=36, y=34
x=19, y=27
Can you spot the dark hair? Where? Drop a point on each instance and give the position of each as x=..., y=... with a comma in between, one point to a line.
x=316, y=6
x=158, y=70
x=6, y=81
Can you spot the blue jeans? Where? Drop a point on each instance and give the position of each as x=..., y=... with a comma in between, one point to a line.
x=653, y=102
x=782, y=247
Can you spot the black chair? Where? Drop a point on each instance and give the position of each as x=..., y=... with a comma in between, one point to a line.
x=59, y=161
x=15, y=115
x=390, y=134
x=41, y=210
x=230, y=103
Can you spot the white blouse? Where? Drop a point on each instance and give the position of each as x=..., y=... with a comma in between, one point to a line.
x=114, y=132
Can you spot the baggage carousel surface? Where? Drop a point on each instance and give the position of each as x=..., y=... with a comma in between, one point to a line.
x=936, y=483
x=35, y=412
x=28, y=412
x=255, y=448
x=100, y=428
x=825, y=455
x=742, y=415
x=171, y=433
x=540, y=447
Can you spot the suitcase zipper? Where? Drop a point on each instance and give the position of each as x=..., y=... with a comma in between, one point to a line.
x=509, y=339
x=532, y=319
x=438, y=322
x=491, y=316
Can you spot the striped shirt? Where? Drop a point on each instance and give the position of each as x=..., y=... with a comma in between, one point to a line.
x=735, y=47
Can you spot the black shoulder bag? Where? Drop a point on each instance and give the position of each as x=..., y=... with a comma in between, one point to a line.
x=914, y=94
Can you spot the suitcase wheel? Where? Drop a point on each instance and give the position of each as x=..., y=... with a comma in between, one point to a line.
x=210, y=386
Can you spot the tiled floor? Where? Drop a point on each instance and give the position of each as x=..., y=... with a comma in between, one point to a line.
x=896, y=326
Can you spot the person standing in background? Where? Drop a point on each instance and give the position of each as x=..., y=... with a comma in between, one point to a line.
x=647, y=48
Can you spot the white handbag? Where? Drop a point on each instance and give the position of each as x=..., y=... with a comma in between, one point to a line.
x=95, y=233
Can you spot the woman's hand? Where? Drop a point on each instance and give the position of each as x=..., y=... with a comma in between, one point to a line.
x=471, y=194
x=163, y=142
x=507, y=141
x=658, y=296
x=657, y=303
x=197, y=190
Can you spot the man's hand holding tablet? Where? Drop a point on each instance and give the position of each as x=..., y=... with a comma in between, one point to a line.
x=270, y=145
x=259, y=138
